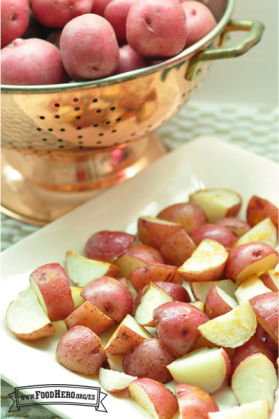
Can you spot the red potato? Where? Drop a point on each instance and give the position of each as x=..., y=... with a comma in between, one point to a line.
x=258, y=209
x=14, y=20
x=260, y=333
x=116, y=13
x=149, y=359
x=56, y=14
x=238, y=226
x=84, y=59
x=110, y=297
x=54, y=37
x=200, y=289
x=32, y=62
x=89, y=316
x=178, y=248
x=81, y=351
x=271, y=280
x=51, y=285
x=200, y=21
x=273, y=346
x=156, y=29
x=222, y=235
x=194, y=403
x=265, y=232
x=155, y=232
x=130, y=60
x=140, y=277
x=99, y=6
x=108, y=245
x=177, y=325
x=266, y=308
x=189, y=215
x=256, y=410
x=249, y=259
x=175, y=291
x=136, y=257
x=154, y=397
x=218, y=302
x=114, y=381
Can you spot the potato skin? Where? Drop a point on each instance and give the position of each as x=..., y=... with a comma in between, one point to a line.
x=215, y=306
x=189, y=215
x=178, y=248
x=266, y=308
x=116, y=14
x=130, y=60
x=194, y=403
x=238, y=226
x=99, y=6
x=14, y=20
x=258, y=209
x=149, y=359
x=80, y=350
x=153, y=273
x=176, y=291
x=222, y=235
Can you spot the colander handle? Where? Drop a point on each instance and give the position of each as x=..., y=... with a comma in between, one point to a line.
x=255, y=29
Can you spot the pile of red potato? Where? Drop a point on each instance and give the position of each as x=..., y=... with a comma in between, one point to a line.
x=48, y=41
x=193, y=298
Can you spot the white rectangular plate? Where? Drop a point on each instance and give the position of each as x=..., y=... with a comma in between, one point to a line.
x=204, y=162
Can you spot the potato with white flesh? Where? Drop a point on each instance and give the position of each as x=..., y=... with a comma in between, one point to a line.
x=51, y=285
x=200, y=289
x=78, y=300
x=114, y=381
x=258, y=209
x=255, y=379
x=232, y=329
x=271, y=280
x=249, y=288
x=140, y=277
x=177, y=325
x=266, y=308
x=81, y=270
x=206, y=263
x=255, y=410
x=189, y=215
x=205, y=368
x=178, y=248
x=220, y=234
x=264, y=232
x=137, y=257
x=128, y=334
x=194, y=403
x=217, y=203
x=154, y=397
x=249, y=259
x=89, y=316
x=152, y=298
x=218, y=302
x=149, y=359
x=110, y=297
x=26, y=318
x=155, y=232
x=176, y=292
x=238, y=226
x=80, y=350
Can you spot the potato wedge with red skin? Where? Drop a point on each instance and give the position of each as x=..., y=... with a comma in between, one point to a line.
x=266, y=308
x=149, y=359
x=110, y=297
x=177, y=326
x=154, y=397
x=258, y=209
x=200, y=289
x=176, y=292
x=260, y=333
x=249, y=288
x=51, y=285
x=189, y=215
x=108, y=245
x=155, y=232
x=271, y=280
x=264, y=232
x=138, y=256
x=238, y=226
x=256, y=410
x=249, y=259
x=114, y=381
x=140, y=277
x=222, y=235
x=273, y=346
x=178, y=248
x=218, y=302
x=194, y=403
x=80, y=350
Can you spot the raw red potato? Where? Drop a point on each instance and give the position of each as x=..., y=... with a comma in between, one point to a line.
x=266, y=308
x=137, y=257
x=55, y=14
x=80, y=350
x=222, y=235
x=249, y=288
x=155, y=232
x=264, y=232
x=238, y=226
x=255, y=410
x=258, y=209
x=54, y=37
x=189, y=215
x=149, y=359
x=205, y=368
x=86, y=60
x=218, y=302
x=28, y=62
x=14, y=20
x=194, y=403
x=178, y=248
x=110, y=297
x=153, y=273
x=107, y=245
x=99, y=6
x=271, y=280
x=175, y=291
x=114, y=381
x=177, y=326
x=116, y=14
x=200, y=289
x=51, y=285
x=130, y=60
x=154, y=397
